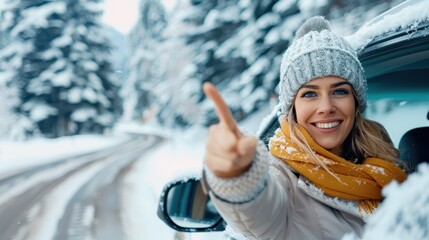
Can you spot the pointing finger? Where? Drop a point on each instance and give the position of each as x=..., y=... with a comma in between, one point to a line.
x=222, y=110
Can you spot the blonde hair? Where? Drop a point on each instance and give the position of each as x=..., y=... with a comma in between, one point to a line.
x=366, y=139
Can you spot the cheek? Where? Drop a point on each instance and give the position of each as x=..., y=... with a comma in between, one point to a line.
x=348, y=108
x=302, y=113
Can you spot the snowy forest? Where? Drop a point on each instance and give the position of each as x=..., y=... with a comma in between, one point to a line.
x=58, y=74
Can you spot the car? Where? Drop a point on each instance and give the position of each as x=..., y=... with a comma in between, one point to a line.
x=396, y=63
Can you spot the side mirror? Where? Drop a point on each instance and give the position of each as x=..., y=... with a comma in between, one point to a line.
x=185, y=207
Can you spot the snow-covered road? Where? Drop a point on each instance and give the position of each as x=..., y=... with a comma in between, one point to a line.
x=72, y=198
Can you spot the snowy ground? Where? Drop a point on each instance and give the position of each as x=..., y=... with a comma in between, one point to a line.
x=16, y=155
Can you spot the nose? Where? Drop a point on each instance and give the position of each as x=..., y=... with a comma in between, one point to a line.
x=326, y=105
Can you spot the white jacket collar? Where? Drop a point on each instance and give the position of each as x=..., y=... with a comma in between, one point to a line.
x=348, y=206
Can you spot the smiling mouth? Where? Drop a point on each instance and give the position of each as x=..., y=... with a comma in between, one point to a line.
x=327, y=125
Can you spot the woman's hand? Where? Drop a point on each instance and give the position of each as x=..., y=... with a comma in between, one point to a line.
x=228, y=152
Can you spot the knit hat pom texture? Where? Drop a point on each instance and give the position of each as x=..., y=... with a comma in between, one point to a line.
x=316, y=23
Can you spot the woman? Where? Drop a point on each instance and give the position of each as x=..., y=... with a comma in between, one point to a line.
x=326, y=165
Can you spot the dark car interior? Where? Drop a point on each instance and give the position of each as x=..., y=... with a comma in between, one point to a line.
x=413, y=147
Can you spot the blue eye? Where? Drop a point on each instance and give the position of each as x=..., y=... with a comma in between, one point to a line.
x=308, y=94
x=341, y=92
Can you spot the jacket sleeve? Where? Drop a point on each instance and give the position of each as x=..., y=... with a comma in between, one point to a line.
x=256, y=203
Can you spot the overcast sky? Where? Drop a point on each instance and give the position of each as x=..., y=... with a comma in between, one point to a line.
x=122, y=14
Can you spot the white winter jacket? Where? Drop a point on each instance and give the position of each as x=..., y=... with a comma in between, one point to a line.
x=270, y=202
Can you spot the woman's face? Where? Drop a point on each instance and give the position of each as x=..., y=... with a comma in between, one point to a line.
x=326, y=108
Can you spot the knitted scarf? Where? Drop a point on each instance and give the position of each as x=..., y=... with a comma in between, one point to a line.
x=341, y=178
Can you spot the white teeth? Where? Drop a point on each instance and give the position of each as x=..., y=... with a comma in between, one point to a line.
x=327, y=125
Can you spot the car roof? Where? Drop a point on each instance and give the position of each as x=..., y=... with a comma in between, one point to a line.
x=393, y=11
x=405, y=18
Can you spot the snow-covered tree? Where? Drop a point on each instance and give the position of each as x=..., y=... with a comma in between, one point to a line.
x=13, y=125
x=237, y=45
x=7, y=102
x=58, y=59
x=3, y=39
x=143, y=76
x=186, y=62
x=179, y=94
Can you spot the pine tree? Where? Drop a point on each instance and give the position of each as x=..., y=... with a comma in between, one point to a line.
x=237, y=45
x=145, y=41
x=58, y=58
x=268, y=32
x=178, y=95
x=13, y=126
x=195, y=31
x=228, y=42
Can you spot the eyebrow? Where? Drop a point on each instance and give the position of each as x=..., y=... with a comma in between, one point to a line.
x=334, y=85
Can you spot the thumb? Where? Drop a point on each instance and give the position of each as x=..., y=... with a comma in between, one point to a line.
x=247, y=146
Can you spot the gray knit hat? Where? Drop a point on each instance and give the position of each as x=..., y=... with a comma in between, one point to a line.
x=318, y=52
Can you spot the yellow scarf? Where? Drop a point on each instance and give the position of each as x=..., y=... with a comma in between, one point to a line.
x=362, y=182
